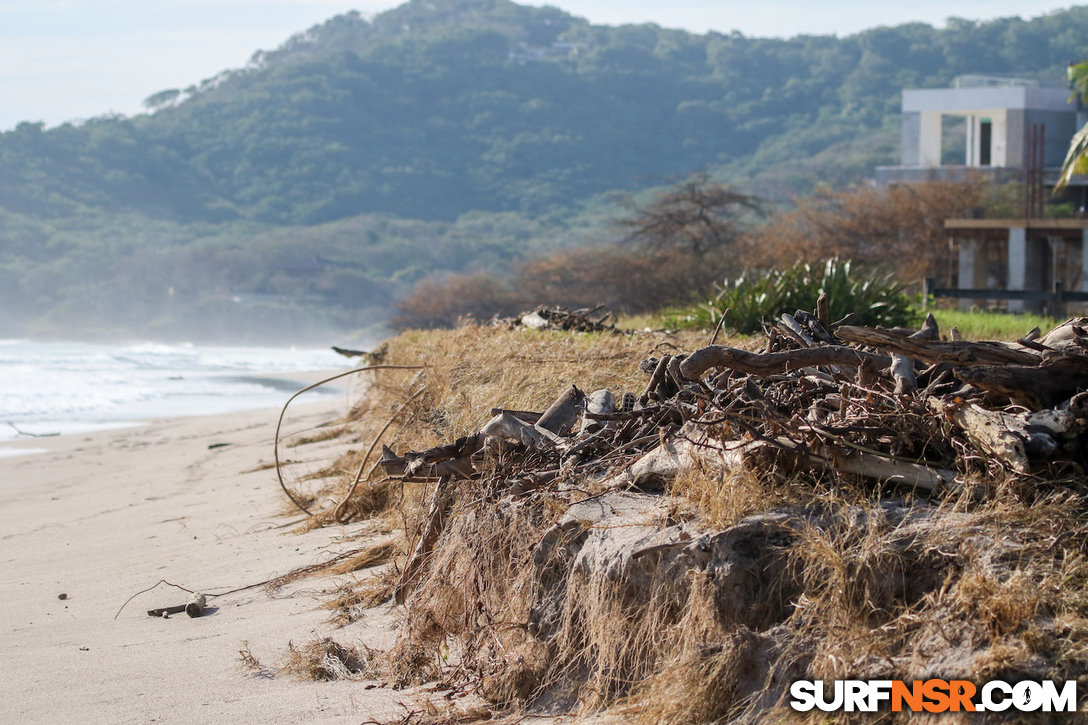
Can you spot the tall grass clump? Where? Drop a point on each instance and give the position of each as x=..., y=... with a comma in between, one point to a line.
x=754, y=298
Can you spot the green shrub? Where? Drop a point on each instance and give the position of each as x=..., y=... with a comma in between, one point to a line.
x=754, y=298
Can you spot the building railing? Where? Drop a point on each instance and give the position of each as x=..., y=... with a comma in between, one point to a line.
x=1053, y=300
x=983, y=81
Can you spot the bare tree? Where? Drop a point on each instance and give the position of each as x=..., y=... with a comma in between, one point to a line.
x=697, y=216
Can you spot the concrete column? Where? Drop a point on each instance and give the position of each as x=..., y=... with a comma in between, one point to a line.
x=967, y=269
x=1083, y=286
x=910, y=132
x=1018, y=263
x=971, y=156
x=1014, y=138
x=929, y=139
x=999, y=153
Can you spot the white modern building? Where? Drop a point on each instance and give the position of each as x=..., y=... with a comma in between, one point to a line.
x=983, y=125
x=1002, y=130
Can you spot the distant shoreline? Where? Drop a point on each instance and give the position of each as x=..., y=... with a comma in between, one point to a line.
x=28, y=437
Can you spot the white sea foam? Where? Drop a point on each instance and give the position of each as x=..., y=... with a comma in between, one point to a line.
x=48, y=387
x=10, y=452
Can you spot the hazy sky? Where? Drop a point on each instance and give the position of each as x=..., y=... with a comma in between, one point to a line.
x=63, y=60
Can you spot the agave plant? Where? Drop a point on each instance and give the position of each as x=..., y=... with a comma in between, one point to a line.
x=754, y=298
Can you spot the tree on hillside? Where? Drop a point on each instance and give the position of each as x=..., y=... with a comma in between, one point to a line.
x=160, y=99
x=696, y=216
x=1076, y=160
x=900, y=227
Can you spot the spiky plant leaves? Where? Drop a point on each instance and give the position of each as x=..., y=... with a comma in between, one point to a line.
x=755, y=298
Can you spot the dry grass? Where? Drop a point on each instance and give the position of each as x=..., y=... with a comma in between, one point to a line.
x=816, y=578
x=326, y=659
x=352, y=600
x=477, y=592
x=429, y=712
x=473, y=369
x=250, y=663
x=702, y=684
x=896, y=593
x=319, y=659
x=329, y=433
x=723, y=498
x=369, y=556
x=469, y=371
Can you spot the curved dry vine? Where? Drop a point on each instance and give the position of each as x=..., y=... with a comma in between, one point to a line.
x=279, y=423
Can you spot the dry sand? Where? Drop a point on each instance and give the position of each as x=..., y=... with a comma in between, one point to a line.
x=100, y=516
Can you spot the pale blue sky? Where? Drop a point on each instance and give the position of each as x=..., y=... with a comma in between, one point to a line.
x=63, y=60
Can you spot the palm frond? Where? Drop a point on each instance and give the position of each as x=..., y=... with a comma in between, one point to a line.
x=1076, y=159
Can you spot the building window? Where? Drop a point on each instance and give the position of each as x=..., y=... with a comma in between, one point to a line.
x=985, y=141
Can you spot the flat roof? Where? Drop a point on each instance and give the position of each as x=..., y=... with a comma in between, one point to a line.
x=997, y=230
x=1055, y=224
x=949, y=100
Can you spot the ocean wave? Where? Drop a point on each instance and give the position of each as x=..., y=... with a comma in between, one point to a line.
x=89, y=384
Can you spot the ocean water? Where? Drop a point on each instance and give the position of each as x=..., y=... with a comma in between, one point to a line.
x=70, y=387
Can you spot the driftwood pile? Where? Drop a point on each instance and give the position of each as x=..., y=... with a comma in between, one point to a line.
x=892, y=406
x=585, y=319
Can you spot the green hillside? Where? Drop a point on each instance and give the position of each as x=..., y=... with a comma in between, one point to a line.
x=360, y=147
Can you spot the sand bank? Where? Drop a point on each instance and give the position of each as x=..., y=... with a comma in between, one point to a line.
x=100, y=516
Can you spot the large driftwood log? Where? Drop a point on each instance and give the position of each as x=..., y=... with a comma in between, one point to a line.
x=693, y=447
x=959, y=353
x=1015, y=438
x=1002, y=435
x=772, y=363
x=1068, y=336
x=1036, y=387
x=879, y=468
x=1067, y=420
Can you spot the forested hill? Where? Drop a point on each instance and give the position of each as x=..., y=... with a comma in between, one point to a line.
x=305, y=192
x=442, y=106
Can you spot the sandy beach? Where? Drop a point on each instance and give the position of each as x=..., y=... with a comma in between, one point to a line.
x=91, y=519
